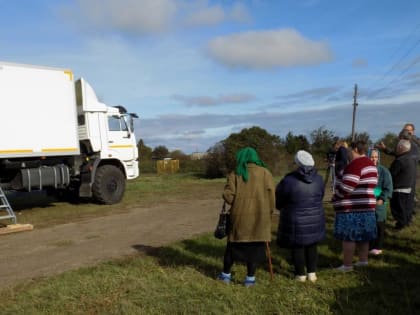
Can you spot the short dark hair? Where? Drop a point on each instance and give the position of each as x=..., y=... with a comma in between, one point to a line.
x=360, y=145
x=409, y=125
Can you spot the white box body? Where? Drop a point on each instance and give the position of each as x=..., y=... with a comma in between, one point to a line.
x=38, y=112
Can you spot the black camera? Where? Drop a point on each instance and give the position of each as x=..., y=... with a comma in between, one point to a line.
x=331, y=157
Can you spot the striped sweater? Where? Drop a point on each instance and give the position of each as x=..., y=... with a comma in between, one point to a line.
x=354, y=190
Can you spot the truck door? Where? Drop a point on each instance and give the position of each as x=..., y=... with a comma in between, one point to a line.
x=121, y=142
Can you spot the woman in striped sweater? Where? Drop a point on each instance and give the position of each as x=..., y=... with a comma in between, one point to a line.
x=354, y=203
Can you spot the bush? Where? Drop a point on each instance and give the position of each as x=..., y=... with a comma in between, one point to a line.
x=221, y=157
x=147, y=166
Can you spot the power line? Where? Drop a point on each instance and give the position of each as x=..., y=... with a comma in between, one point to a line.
x=397, y=64
x=406, y=69
x=401, y=59
x=404, y=40
x=400, y=75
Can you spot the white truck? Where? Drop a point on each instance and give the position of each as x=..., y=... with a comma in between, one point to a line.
x=55, y=135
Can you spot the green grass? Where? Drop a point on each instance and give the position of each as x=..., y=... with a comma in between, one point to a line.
x=180, y=278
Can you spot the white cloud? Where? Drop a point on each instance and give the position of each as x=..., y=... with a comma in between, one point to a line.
x=213, y=101
x=207, y=16
x=149, y=16
x=268, y=49
x=135, y=16
x=240, y=13
x=203, y=14
x=313, y=93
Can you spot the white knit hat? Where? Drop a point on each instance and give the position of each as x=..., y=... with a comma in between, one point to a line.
x=303, y=158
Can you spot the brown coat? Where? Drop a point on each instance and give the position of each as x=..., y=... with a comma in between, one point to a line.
x=252, y=202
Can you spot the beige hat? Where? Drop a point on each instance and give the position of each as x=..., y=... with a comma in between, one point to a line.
x=303, y=158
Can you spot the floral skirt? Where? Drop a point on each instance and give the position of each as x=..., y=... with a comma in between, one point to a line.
x=355, y=226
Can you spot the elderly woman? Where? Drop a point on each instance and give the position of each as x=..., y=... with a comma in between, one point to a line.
x=250, y=192
x=403, y=172
x=382, y=191
x=302, y=221
x=354, y=203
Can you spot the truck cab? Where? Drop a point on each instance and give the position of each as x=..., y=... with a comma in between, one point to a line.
x=106, y=135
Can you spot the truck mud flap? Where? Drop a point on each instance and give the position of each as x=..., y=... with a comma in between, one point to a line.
x=87, y=176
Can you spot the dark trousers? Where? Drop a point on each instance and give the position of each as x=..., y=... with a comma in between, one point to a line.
x=413, y=200
x=304, y=255
x=401, y=208
x=230, y=255
x=379, y=241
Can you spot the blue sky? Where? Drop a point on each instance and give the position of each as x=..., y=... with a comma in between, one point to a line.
x=196, y=71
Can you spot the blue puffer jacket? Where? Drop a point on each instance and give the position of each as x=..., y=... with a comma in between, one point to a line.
x=299, y=198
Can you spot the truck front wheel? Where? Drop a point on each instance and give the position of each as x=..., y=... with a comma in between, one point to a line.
x=109, y=185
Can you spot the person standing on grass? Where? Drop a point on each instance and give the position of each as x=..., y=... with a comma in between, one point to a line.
x=407, y=133
x=299, y=198
x=250, y=192
x=382, y=192
x=341, y=157
x=354, y=204
x=402, y=170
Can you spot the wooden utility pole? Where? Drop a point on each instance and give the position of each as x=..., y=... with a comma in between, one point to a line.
x=354, y=111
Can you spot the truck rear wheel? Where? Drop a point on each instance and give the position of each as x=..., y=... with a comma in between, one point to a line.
x=109, y=185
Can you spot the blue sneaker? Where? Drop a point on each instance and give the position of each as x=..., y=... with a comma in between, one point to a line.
x=249, y=283
x=225, y=278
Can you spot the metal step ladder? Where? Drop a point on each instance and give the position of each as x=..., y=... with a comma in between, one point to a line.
x=5, y=206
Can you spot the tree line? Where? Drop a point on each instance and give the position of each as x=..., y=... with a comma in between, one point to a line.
x=275, y=151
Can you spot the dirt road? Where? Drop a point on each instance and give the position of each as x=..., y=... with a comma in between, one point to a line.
x=52, y=250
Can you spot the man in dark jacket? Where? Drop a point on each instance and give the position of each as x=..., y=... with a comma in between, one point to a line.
x=402, y=170
x=299, y=198
x=408, y=133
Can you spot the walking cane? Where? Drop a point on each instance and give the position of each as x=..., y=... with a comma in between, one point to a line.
x=270, y=265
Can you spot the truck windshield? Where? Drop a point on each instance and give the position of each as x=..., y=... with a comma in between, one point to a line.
x=117, y=123
x=130, y=122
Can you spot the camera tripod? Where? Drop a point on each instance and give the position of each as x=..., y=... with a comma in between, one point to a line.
x=330, y=174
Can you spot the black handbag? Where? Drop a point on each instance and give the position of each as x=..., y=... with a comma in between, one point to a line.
x=222, y=228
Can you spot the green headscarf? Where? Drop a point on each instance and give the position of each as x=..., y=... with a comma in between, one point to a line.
x=243, y=157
